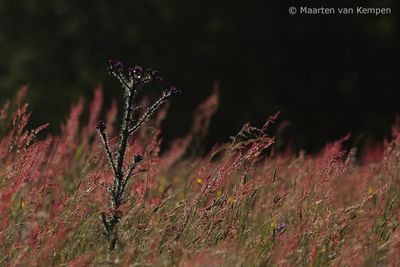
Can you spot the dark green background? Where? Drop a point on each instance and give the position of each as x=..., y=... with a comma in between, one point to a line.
x=329, y=75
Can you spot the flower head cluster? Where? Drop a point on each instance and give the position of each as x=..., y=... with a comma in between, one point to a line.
x=135, y=75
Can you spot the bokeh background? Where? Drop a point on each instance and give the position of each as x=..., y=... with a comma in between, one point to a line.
x=329, y=75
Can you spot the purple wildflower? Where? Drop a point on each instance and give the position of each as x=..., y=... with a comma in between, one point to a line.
x=281, y=227
x=138, y=69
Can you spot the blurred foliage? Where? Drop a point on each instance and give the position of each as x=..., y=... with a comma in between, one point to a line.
x=329, y=75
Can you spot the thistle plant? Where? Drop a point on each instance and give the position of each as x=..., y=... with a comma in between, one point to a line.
x=132, y=81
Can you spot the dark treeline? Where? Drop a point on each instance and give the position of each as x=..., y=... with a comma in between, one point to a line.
x=329, y=75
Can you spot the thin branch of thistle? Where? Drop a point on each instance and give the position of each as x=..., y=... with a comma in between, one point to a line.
x=101, y=128
x=153, y=108
x=132, y=82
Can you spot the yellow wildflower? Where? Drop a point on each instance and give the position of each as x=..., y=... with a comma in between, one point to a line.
x=199, y=181
x=163, y=180
x=370, y=190
x=161, y=189
x=176, y=179
x=24, y=204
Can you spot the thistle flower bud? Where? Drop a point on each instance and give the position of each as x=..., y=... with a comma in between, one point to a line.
x=101, y=126
x=110, y=68
x=137, y=69
x=173, y=90
x=155, y=75
x=114, y=68
x=119, y=66
x=138, y=158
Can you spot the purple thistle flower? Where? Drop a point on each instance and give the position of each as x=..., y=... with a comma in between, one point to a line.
x=155, y=75
x=113, y=68
x=137, y=76
x=119, y=66
x=281, y=227
x=137, y=69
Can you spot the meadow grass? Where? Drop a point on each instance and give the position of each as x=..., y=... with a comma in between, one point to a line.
x=240, y=204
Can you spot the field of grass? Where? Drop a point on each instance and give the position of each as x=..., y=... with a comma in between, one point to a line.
x=240, y=204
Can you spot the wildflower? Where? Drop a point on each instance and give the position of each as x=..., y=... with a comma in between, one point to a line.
x=136, y=75
x=137, y=69
x=119, y=66
x=114, y=67
x=161, y=189
x=176, y=179
x=24, y=204
x=199, y=181
x=272, y=225
x=163, y=180
x=281, y=227
x=162, y=183
x=219, y=193
x=370, y=190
